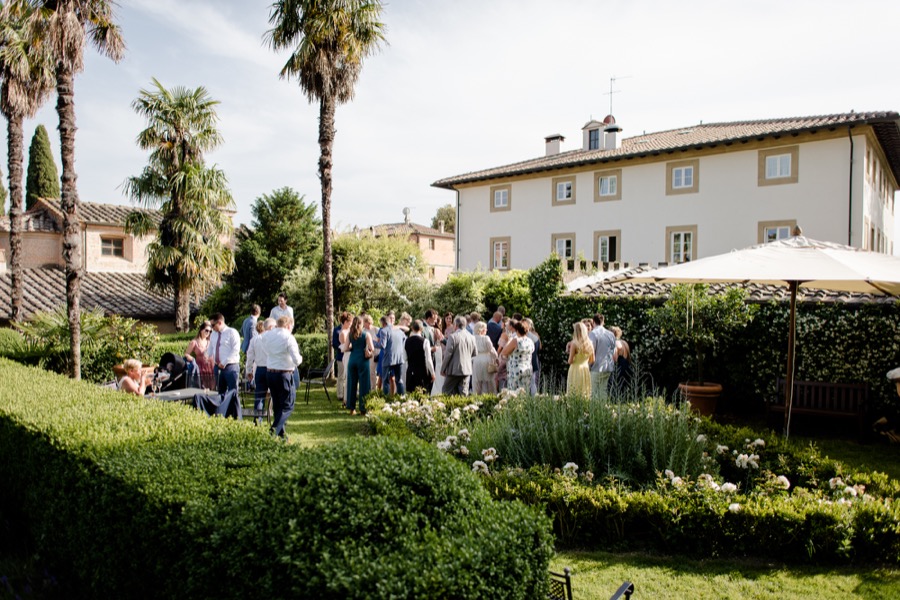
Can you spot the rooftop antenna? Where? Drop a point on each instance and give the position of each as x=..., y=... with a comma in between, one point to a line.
x=611, y=91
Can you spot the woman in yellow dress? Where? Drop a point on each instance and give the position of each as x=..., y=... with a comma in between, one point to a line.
x=581, y=357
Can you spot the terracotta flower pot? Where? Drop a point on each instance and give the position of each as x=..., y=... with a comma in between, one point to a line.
x=703, y=397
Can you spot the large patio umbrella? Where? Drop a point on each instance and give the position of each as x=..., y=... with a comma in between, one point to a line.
x=793, y=262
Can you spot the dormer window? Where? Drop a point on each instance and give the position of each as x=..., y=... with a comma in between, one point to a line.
x=112, y=247
x=594, y=139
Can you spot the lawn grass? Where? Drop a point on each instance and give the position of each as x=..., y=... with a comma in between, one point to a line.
x=599, y=574
x=322, y=421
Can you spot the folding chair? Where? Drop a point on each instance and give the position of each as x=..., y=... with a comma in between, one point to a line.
x=247, y=397
x=318, y=376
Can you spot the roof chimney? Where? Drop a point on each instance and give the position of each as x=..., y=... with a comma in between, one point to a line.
x=441, y=225
x=610, y=129
x=552, y=143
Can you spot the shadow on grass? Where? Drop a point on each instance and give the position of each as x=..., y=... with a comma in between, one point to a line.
x=322, y=421
x=598, y=574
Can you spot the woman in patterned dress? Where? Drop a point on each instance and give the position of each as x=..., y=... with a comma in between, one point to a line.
x=196, y=354
x=518, y=359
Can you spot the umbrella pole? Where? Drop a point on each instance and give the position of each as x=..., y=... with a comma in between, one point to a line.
x=789, y=378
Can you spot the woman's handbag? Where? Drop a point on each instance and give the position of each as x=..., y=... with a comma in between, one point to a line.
x=492, y=367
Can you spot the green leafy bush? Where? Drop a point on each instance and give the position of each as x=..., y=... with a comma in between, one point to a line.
x=313, y=349
x=11, y=342
x=105, y=341
x=631, y=442
x=378, y=519
x=130, y=497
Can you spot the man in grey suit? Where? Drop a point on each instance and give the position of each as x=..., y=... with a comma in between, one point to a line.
x=604, y=343
x=457, y=364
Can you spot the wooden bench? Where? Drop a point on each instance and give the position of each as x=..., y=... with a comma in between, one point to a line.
x=847, y=400
x=561, y=587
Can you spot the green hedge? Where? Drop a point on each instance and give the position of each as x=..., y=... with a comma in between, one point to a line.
x=129, y=497
x=797, y=528
x=836, y=342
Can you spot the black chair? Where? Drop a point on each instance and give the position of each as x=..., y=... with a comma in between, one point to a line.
x=625, y=591
x=560, y=585
x=248, y=404
x=318, y=376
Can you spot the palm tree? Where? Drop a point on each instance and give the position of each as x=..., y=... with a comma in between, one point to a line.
x=27, y=73
x=188, y=256
x=67, y=25
x=329, y=40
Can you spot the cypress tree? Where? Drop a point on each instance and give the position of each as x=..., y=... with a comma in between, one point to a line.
x=3, y=195
x=43, y=178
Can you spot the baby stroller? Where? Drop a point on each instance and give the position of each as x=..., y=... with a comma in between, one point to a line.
x=171, y=373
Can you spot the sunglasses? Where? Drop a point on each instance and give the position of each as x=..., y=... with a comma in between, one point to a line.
x=207, y=330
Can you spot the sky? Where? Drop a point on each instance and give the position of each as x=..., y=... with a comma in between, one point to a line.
x=471, y=84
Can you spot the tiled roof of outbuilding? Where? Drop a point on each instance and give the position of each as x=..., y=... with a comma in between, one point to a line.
x=617, y=285
x=406, y=229
x=704, y=135
x=120, y=293
x=94, y=213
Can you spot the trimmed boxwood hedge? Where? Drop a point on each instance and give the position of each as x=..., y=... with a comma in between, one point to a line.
x=133, y=498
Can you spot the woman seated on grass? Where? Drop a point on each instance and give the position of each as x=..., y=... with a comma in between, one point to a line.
x=135, y=380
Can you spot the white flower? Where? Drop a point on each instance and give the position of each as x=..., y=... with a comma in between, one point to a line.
x=455, y=414
x=570, y=469
x=669, y=474
x=445, y=446
x=463, y=451
x=850, y=491
x=480, y=467
x=451, y=439
x=677, y=481
x=734, y=507
x=782, y=481
x=701, y=439
x=835, y=482
x=728, y=488
x=464, y=435
x=720, y=449
x=489, y=455
x=387, y=408
x=758, y=442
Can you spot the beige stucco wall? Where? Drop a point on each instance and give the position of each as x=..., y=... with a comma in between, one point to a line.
x=726, y=211
x=441, y=259
x=38, y=250
x=135, y=250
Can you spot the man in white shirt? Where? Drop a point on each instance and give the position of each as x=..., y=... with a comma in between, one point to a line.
x=282, y=309
x=225, y=350
x=256, y=366
x=282, y=359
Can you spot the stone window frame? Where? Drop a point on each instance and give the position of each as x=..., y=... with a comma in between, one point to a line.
x=764, y=154
x=497, y=188
x=616, y=233
x=555, y=201
x=763, y=225
x=564, y=236
x=694, y=163
x=115, y=245
x=498, y=240
x=617, y=173
x=692, y=229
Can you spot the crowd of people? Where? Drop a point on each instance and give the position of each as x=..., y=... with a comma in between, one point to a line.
x=599, y=359
x=449, y=354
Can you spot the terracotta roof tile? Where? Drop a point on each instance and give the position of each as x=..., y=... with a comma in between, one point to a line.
x=698, y=136
x=119, y=293
x=94, y=213
x=406, y=229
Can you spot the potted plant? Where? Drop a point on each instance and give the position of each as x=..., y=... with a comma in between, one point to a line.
x=703, y=320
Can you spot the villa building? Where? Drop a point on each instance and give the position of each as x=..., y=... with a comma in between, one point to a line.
x=685, y=193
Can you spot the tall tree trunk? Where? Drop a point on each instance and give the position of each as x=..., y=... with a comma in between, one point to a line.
x=326, y=143
x=15, y=150
x=182, y=308
x=65, y=108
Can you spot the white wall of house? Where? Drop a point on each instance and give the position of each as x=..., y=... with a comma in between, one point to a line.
x=727, y=209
